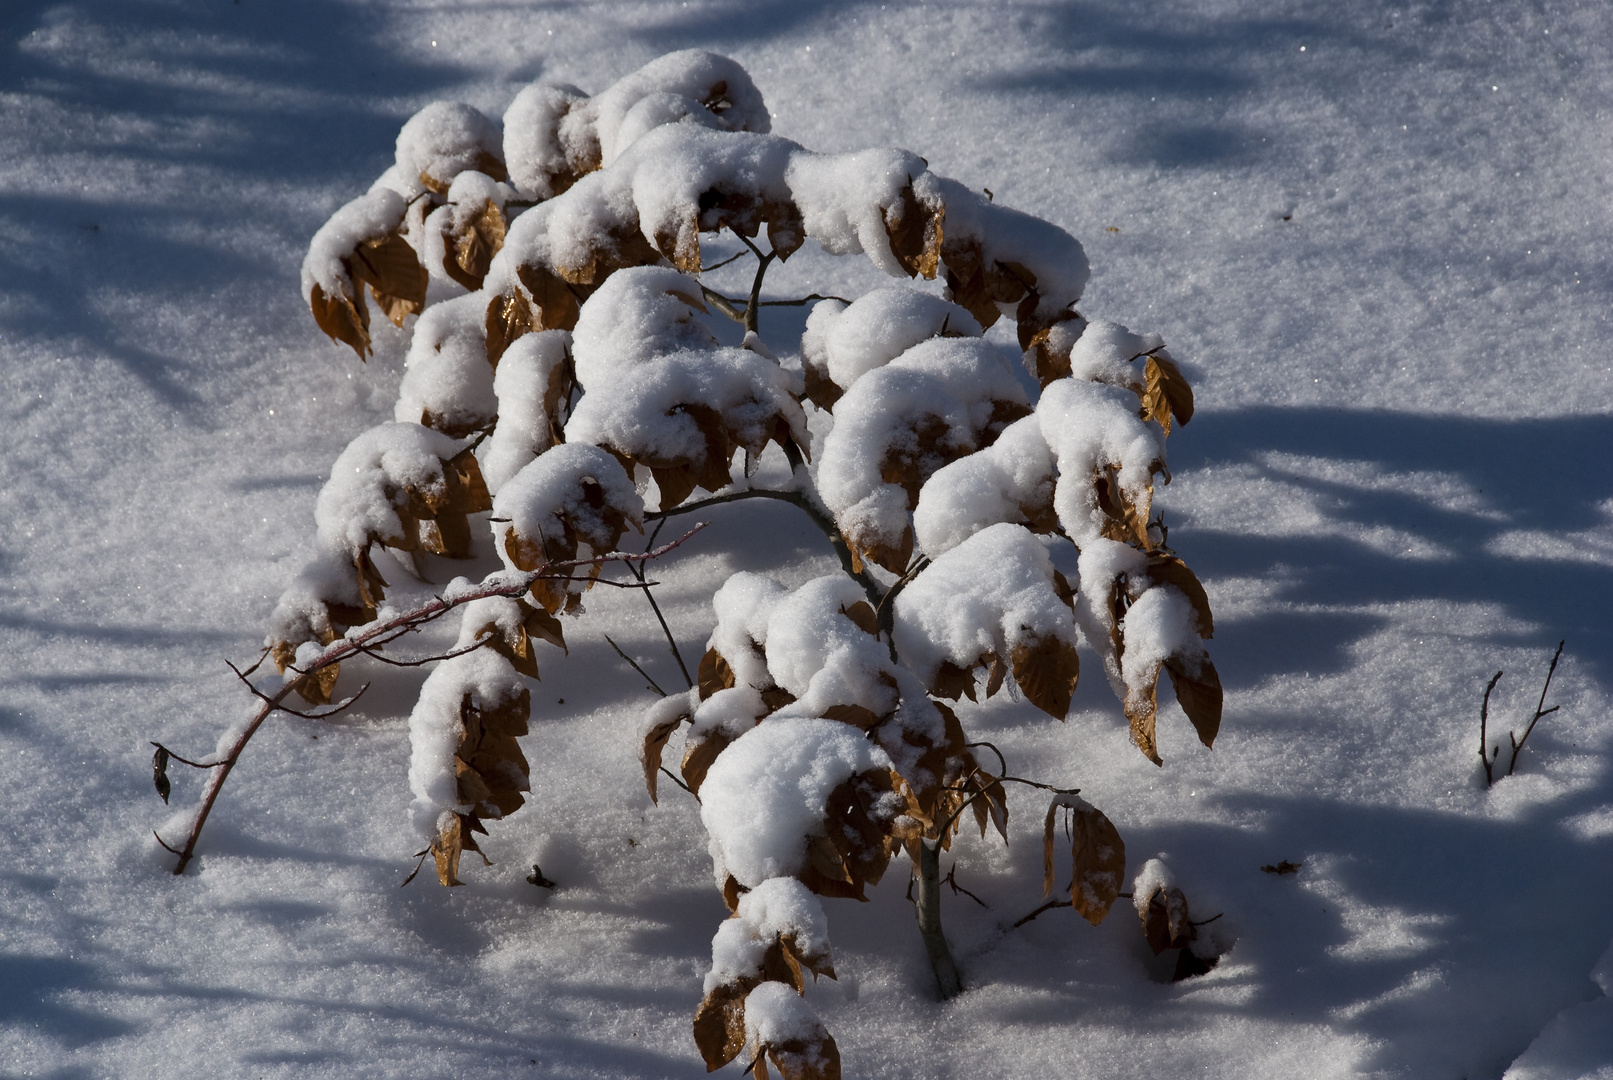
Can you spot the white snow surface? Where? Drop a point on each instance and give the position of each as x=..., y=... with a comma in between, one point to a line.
x=1377, y=239
x=764, y=795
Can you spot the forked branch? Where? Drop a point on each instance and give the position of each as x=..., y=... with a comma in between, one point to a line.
x=503, y=583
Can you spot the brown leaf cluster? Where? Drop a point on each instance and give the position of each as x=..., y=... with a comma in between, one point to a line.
x=492, y=774
x=517, y=645
x=601, y=530
x=719, y=1023
x=1167, y=924
x=862, y=829
x=432, y=519
x=1097, y=856
x=388, y=266
x=678, y=476
x=799, y=1059
x=1194, y=679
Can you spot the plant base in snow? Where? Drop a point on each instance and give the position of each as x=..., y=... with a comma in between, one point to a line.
x=1491, y=756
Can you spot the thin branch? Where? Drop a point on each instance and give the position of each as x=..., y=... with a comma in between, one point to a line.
x=262, y=656
x=672, y=642
x=1049, y=906
x=1517, y=745
x=952, y=880
x=823, y=521
x=678, y=780
x=885, y=613
x=186, y=761
x=723, y=304
x=653, y=685
x=498, y=584
x=417, y=866
x=1484, y=734
x=424, y=660
x=725, y=262
x=752, y=309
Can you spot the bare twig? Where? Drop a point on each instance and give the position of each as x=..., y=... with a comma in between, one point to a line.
x=422, y=861
x=424, y=660
x=723, y=304
x=500, y=584
x=1049, y=906
x=653, y=685
x=952, y=880
x=1484, y=734
x=1540, y=711
x=725, y=262
x=825, y=524
x=671, y=642
x=885, y=613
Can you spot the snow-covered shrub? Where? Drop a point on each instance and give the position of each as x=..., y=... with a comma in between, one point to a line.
x=570, y=363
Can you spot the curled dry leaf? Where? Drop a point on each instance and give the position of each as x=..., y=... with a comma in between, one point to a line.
x=491, y=769
x=800, y=1059
x=861, y=827
x=469, y=246
x=1097, y=856
x=1165, y=393
x=719, y=1024
x=1198, y=692
x=455, y=836
x=655, y=740
x=1166, y=922
x=714, y=674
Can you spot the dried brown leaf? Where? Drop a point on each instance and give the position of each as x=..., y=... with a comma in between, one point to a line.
x=1141, y=710
x=719, y=1024
x=714, y=674
x=1166, y=921
x=342, y=319
x=953, y=682
x=801, y=1059
x=1166, y=393
x=654, y=745
x=915, y=232
x=862, y=613
x=1047, y=671
x=1198, y=692
x=1098, y=857
x=469, y=250
x=392, y=270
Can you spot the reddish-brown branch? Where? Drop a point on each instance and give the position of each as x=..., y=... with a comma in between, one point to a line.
x=500, y=584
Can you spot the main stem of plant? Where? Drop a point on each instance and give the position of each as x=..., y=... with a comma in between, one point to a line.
x=928, y=905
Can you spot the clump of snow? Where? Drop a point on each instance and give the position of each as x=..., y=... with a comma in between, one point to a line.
x=743, y=604
x=374, y=214
x=359, y=503
x=468, y=196
x=541, y=141
x=441, y=141
x=1158, y=626
x=778, y=908
x=846, y=342
x=644, y=365
x=1010, y=480
x=436, y=728
x=845, y=199
x=764, y=796
x=956, y=386
x=565, y=491
x=1090, y=427
x=527, y=387
x=1103, y=563
x=447, y=381
x=1153, y=877
x=990, y=593
x=1104, y=352
x=717, y=85
x=819, y=655
x=775, y=1016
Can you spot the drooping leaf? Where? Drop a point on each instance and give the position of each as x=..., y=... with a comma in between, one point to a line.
x=719, y=1024
x=1198, y=692
x=1098, y=857
x=915, y=232
x=1047, y=671
x=862, y=613
x=159, y=773
x=714, y=674
x=1166, y=921
x=469, y=249
x=655, y=740
x=397, y=281
x=1166, y=393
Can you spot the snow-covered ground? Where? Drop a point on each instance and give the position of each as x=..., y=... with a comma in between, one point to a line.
x=1376, y=234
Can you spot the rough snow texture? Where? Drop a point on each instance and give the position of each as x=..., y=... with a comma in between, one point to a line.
x=447, y=378
x=988, y=594
x=844, y=343
x=764, y=796
x=436, y=728
x=1009, y=481
x=526, y=387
